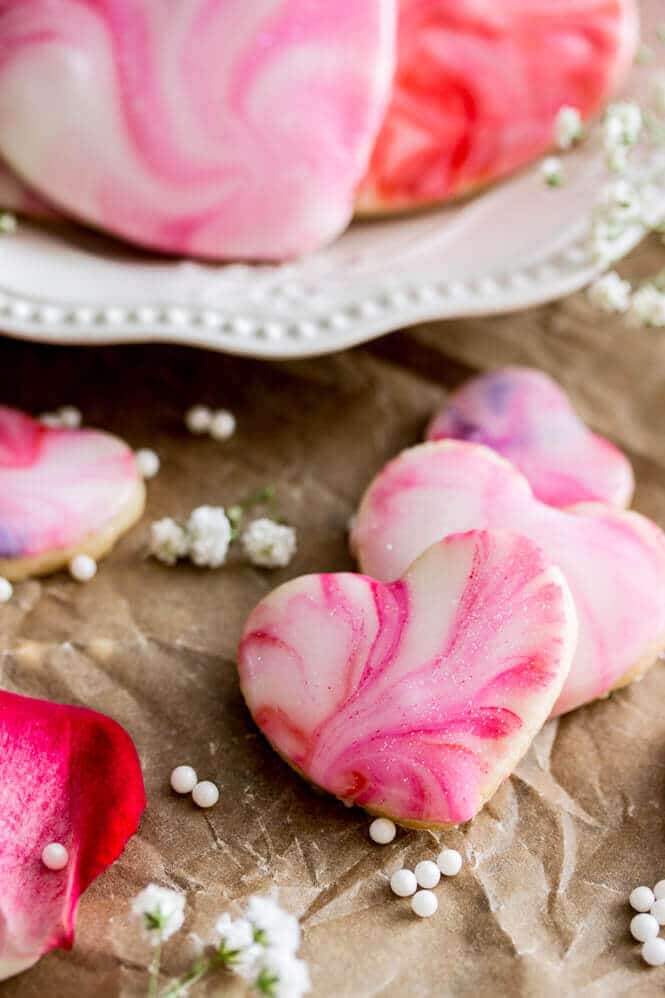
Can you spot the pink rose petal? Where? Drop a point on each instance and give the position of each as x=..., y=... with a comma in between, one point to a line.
x=525, y=416
x=417, y=698
x=67, y=775
x=613, y=560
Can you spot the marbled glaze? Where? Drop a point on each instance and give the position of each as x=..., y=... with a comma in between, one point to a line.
x=67, y=775
x=59, y=487
x=413, y=699
x=526, y=417
x=613, y=560
x=479, y=84
x=216, y=128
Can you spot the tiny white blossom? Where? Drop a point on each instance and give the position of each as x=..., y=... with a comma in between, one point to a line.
x=568, y=128
x=622, y=125
x=648, y=306
x=610, y=293
x=8, y=223
x=619, y=201
x=168, y=541
x=273, y=927
x=236, y=935
x=161, y=910
x=616, y=159
x=282, y=975
x=552, y=171
x=269, y=544
x=209, y=533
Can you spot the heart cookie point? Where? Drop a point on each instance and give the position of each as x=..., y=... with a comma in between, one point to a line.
x=613, y=560
x=62, y=493
x=413, y=699
x=526, y=417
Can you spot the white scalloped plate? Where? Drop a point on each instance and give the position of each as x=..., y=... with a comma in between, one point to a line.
x=515, y=245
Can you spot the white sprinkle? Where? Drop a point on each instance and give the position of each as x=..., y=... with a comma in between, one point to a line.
x=403, y=883
x=55, y=856
x=51, y=419
x=70, y=417
x=205, y=794
x=223, y=425
x=552, y=171
x=659, y=889
x=643, y=927
x=424, y=904
x=657, y=909
x=449, y=862
x=83, y=568
x=147, y=461
x=610, y=293
x=568, y=127
x=653, y=952
x=427, y=873
x=184, y=779
x=269, y=544
x=198, y=419
x=641, y=898
x=382, y=831
x=6, y=590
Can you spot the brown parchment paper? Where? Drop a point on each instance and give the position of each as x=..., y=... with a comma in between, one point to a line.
x=540, y=907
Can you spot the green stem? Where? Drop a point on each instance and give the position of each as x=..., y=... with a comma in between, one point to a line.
x=197, y=971
x=154, y=969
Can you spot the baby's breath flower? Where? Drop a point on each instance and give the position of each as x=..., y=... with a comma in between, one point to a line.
x=648, y=307
x=209, y=533
x=568, y=128
x=273, y=927
x=282, y=975
x=622, y=124
x=610, y=293
x=552, y=171
x=269, y=544
x=236, y=940
x=168, y=541
x=161, y=911
x=8, y=223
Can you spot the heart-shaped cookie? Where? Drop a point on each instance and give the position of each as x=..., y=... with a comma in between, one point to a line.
x=478, y=87
x=613, y=560
x=417, y=698
x=215, y=128
x=526, y=417
x=62, y=492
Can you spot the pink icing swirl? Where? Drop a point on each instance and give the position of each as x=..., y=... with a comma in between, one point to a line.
x=58, y=487
x=216, y=128
x=613, y=560
x=413, y=699
x=524, y=416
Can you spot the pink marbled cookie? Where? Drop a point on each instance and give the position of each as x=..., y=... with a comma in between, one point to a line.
x=613, y=560
x=413, y=699
x=215, y=128
x=526, y=417
x=62, y=492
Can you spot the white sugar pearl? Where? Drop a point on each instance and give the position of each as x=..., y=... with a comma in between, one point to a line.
x=70, y=417
x=83, y=568
x=184, y=779
x=641, y=898
x=403, y=883
x=382, y=831
x=659, y=889
x=657, y=909
x=424, y=904
x=55, y=856
x=198, y=419
x=6, y=590
x=653, y=952
x=147, y=462
x=449, y=862
x=223, y=425
x=643, y=927
x=427, y=873
x=205, y=794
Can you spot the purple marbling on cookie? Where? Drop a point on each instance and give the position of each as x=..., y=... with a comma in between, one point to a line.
x=524, y=416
